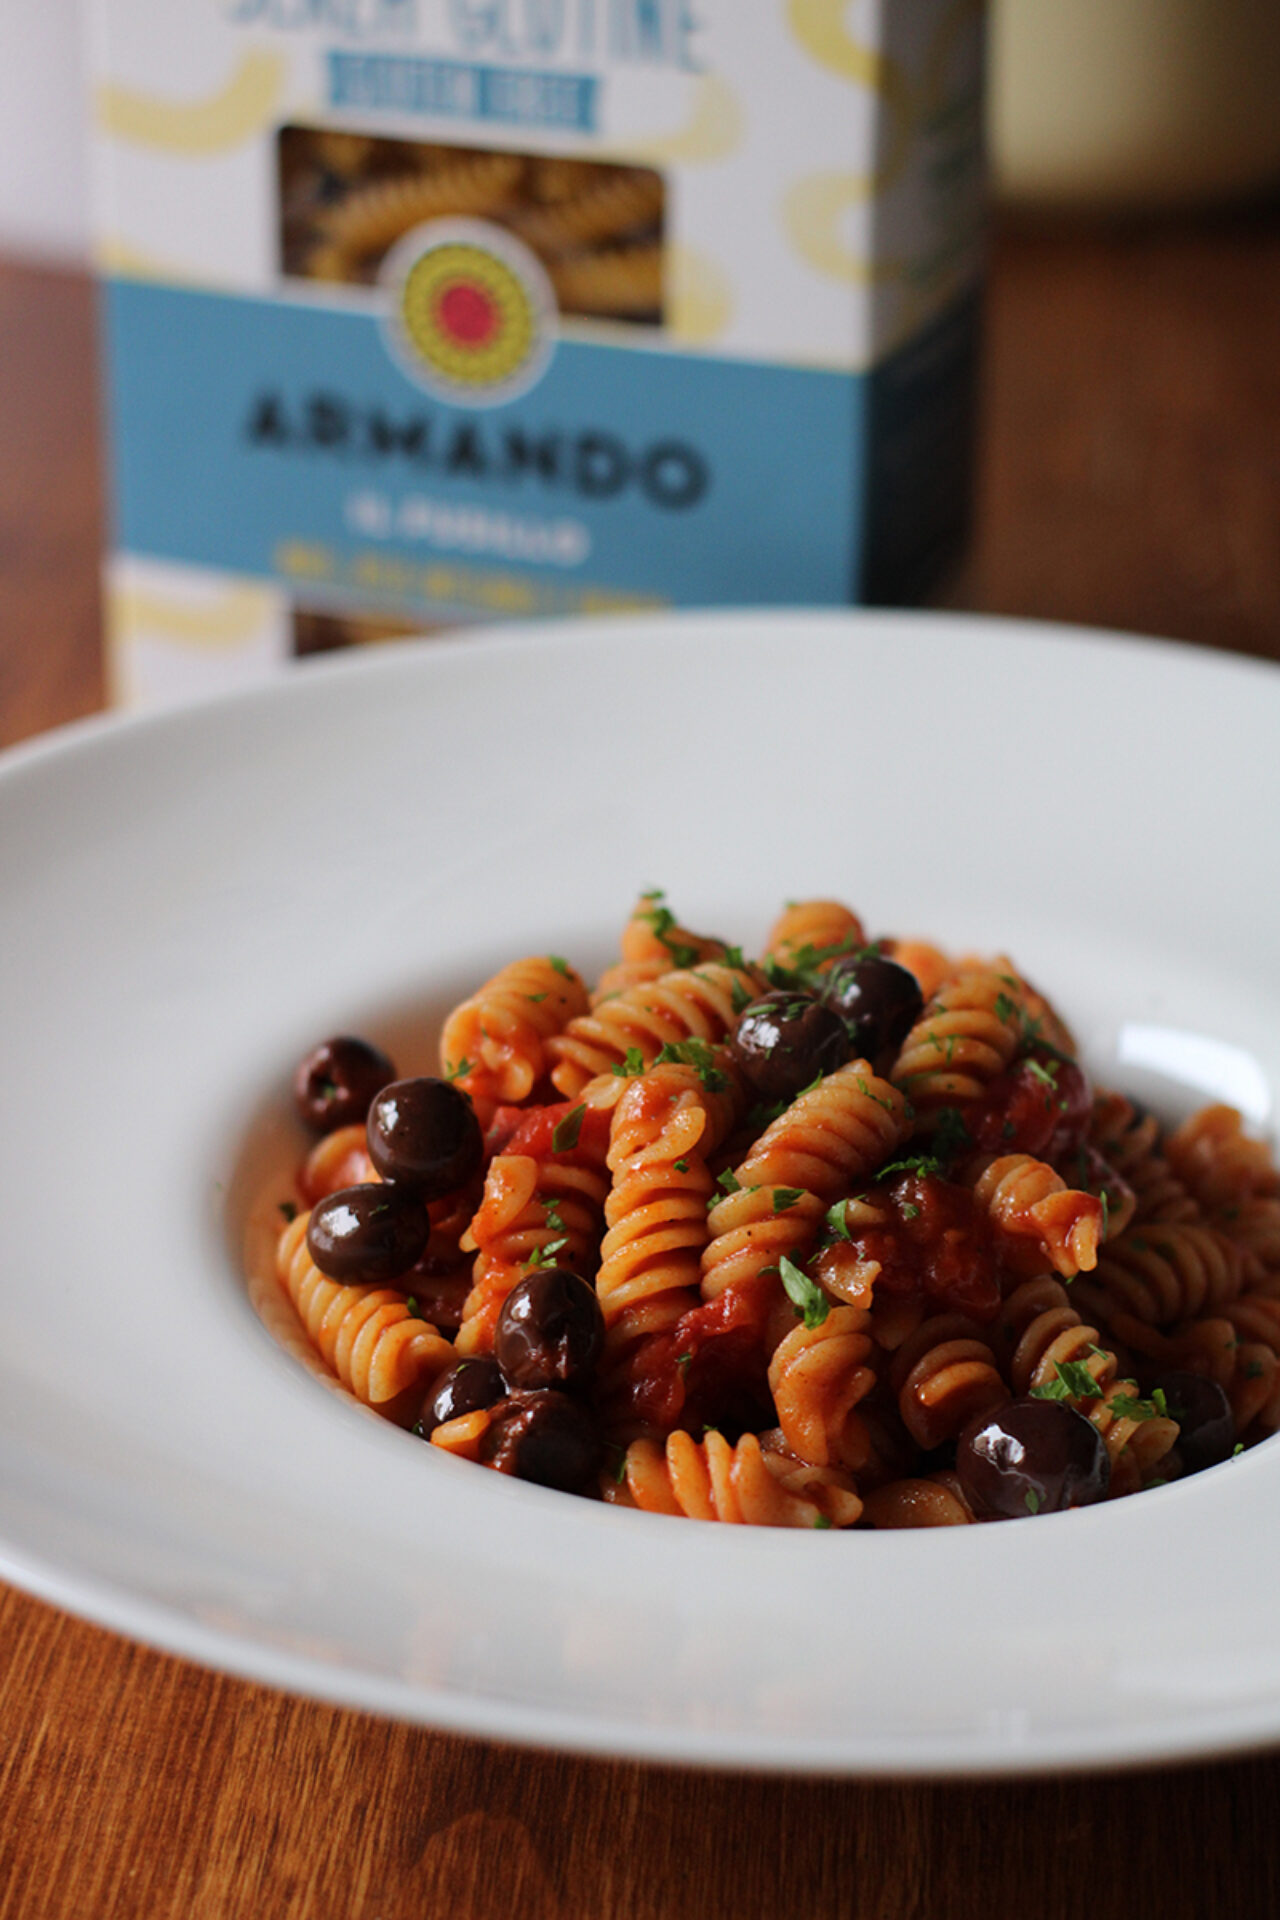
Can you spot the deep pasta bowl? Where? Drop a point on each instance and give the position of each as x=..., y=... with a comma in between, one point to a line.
x=194, y=900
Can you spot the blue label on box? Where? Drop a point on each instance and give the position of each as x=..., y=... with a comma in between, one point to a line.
x=280, y=438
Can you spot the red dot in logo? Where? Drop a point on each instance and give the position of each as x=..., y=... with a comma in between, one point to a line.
x=467, y=313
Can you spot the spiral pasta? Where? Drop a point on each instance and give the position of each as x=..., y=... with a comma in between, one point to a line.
x=496, y=1044
x=1217, y=1162
x=944, y=1375
x=833, y=1308
x=736, y=1484
x=340, y=1159
x=663, y=1129
x=653, y=943
x=1129, y=1142
x=1040, y=1218
x=624, y=281
x=936, y=1500
x=1049, y=1340
x=1154, y=1277
x=378, y=1348
x=700, y=1003
x=607, y=209
x=535, y=1209
x=371, y=217
x=827, y=1140
x=968, y=1033
x=817, y=931
x=818, y=1376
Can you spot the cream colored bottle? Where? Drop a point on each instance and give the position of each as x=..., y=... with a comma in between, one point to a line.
x=1135, y=104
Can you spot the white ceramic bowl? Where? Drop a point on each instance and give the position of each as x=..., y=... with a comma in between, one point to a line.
x=192, y=901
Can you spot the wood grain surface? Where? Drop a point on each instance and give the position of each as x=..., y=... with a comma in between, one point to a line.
x=1130, y=478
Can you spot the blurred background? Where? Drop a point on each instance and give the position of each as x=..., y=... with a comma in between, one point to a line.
x=1128, y=470
x=1096, y=106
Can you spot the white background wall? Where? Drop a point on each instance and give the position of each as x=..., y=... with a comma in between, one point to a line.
x=43, y=190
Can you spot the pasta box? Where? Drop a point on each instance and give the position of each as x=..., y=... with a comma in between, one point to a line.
x=424, y=312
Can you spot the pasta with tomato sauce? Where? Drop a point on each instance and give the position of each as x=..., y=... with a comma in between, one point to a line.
x=830, y=1238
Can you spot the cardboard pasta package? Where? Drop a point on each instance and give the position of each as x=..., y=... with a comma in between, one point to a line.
x=425, y=312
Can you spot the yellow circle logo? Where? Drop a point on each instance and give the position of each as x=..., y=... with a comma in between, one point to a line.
x=473, y=313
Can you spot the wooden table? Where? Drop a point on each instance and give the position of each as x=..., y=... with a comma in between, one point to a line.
x=1131, y=478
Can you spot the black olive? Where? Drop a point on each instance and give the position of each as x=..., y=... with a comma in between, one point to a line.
x=334, y=1086
x=424, y=1135
x=544, y=1437
x=785, y=1040
x=1031, y=1456
x=1206, y=1430
x=550, y=1331
x=467, y=1387
x=372, y=1233
x=878, y=1000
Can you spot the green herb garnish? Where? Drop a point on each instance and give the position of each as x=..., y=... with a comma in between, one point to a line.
x=546, y=1256
x=632, y=1062
x=950, y=1134
x=784, y=1198
x=559, y=964
x=808, y=1299
x=564, y=1137
x=917, y=1163
x=837, y=1223
x=1072, y=1380
x=289, y=1210
x=698, y=1055
x=456, y=1070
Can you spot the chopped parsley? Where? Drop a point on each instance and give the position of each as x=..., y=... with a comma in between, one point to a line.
x=916, y=1163
x=1072, y=1380
x=910, y=1211
x=739, y=996
x=551, y=1216
x=546, y=1256
x=1032, y=1500
x=1046, y=1075
x=733, y=957
x=1238, y=1448
x=411, y=1304
x=728, y=1181
x=681, y=1166
x=784, y=1198
x=950, y=1134
x=1126, y=1406
x=808, y=1299
x=684, y=1361
x=1106, y=1210
x=821, y=1522
x=457, y=1070
x=1254, y=1370
x=632, y=1062
x=559, y=964
x=838, y=1221
x=535, y=999
x=564, y=1137
x=662, y=920
x=701, y=1057
x=807, y=967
